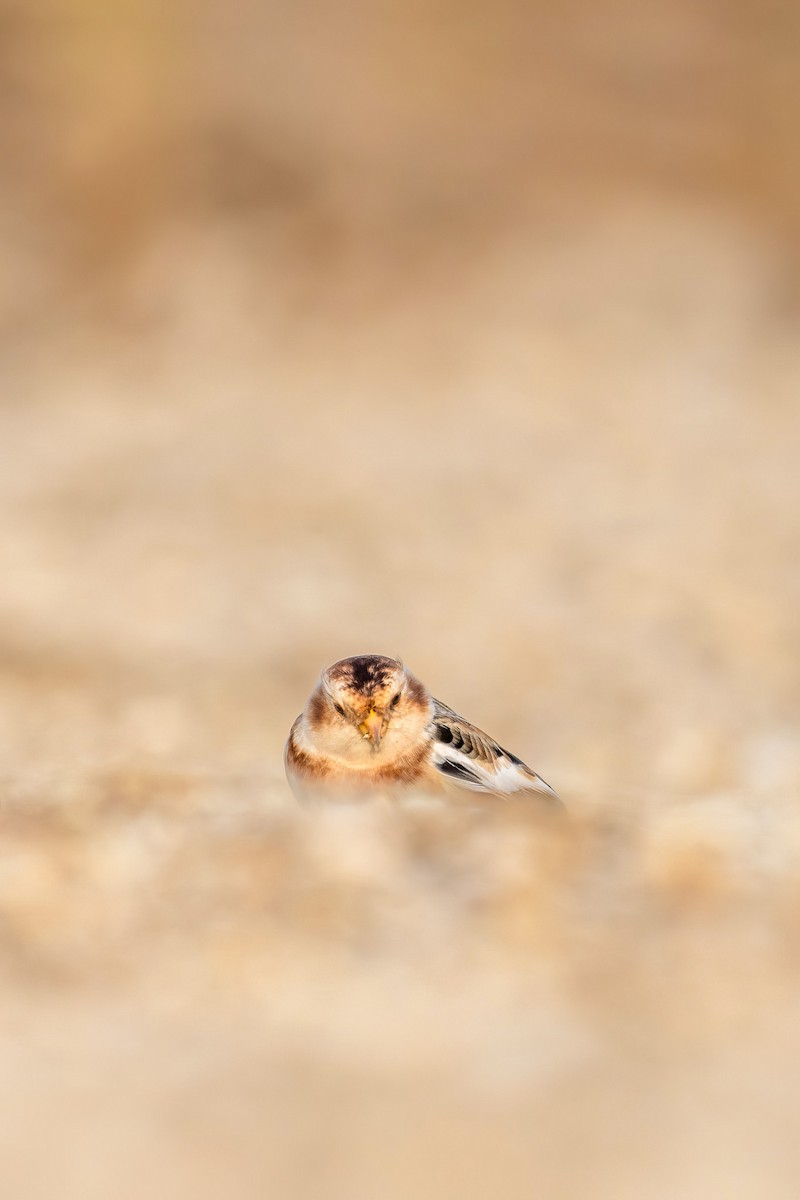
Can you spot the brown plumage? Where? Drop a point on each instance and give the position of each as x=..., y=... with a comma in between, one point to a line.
x=371, y=727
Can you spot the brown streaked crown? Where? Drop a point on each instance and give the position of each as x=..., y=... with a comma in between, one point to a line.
x=364, y=673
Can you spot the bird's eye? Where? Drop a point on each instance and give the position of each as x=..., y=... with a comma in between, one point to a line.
x=395, y=700
x=339, y=709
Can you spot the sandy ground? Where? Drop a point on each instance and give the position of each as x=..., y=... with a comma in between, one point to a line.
x=468, y=336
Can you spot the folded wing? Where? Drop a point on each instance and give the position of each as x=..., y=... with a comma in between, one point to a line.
x=470, y=758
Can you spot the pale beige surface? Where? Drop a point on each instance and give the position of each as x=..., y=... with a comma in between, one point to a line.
x=464, y=333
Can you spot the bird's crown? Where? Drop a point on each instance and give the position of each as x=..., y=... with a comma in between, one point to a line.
x=364, y=673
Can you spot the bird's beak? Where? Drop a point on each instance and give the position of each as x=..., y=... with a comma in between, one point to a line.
x=371, y=727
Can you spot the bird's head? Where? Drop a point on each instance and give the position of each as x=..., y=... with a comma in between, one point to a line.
x=368, y=703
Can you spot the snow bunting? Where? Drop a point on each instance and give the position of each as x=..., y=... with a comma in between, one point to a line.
x=371, y=727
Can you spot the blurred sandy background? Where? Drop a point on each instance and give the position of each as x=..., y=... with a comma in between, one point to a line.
x=467, y=333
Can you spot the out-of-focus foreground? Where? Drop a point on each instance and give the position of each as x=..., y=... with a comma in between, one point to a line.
x=466, y=333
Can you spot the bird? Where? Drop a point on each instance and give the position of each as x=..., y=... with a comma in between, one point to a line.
x=371, y=728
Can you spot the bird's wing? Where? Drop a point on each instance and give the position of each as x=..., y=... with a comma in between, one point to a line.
x=469, y=757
